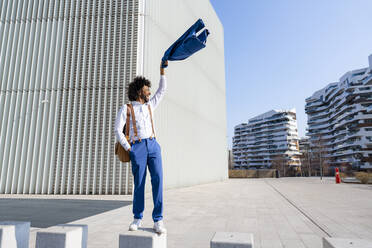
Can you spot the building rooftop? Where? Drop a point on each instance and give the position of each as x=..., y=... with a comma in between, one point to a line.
x=270, y=113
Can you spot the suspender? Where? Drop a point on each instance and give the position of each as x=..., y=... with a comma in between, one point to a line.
x=130, y=111
x=127, y=123
x=152, y=122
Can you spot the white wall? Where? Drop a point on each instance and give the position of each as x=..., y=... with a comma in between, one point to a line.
x=191, y=120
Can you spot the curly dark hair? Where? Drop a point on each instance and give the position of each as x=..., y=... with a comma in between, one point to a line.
x=135, y=86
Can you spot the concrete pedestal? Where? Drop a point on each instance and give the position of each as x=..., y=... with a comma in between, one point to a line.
x=60, y=237
x=84, y=240
x=232, y=240
x=144, y=238
x=21, y=232
x=346, y=243
x=7, y=237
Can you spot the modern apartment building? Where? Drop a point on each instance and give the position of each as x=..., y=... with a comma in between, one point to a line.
x=64, y=69
x=304, y=144
x=340, y=120
x=265, y=139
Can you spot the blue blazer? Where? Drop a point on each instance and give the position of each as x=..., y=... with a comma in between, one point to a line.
x=187, y=44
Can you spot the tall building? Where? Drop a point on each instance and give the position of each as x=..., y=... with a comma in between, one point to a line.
x=64, y=69
x=304, y=144
x=267, y=138
x=340, y=120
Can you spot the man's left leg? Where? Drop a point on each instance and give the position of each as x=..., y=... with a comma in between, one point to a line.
x=156, y=171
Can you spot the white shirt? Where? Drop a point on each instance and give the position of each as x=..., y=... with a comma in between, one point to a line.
x=142, y=116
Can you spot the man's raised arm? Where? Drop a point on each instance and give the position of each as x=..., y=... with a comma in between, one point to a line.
x=155, y=100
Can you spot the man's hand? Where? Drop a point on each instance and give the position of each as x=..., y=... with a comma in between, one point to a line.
x=162, y=71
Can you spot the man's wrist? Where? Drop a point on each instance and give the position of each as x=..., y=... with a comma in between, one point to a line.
x=162, y=69
x=127, y=147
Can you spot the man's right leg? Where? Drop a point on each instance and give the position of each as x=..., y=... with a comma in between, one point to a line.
x=138, y=157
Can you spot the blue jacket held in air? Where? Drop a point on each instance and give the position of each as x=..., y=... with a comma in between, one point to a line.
x=187, y=44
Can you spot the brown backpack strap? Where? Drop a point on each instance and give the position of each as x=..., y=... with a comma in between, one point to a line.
x=127, y=123
x=152, y=122
x=134, y=122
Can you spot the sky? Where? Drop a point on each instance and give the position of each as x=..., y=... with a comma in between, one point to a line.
x=279, y=52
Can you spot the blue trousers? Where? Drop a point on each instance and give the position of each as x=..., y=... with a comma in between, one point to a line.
x=143, y=154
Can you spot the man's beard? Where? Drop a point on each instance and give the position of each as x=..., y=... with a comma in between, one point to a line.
x=144, y=98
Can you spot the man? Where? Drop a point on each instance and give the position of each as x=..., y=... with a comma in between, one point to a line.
x=144, y=150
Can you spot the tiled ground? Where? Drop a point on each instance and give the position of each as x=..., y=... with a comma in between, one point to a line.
x=285, y=212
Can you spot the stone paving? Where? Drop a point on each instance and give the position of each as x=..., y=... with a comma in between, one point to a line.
x=342, y=210
x=285, y=212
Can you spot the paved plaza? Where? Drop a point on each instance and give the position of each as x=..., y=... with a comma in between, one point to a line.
x=285, y=212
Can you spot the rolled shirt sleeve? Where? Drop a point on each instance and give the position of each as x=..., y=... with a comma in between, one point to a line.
x=119, y=125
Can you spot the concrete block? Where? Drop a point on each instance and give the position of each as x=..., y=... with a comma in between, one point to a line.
x=84, y=241
x=232, y=240
x=346, y=243
x=8, y=237
x=60, y=237
x=144, y=238
x=22, y=232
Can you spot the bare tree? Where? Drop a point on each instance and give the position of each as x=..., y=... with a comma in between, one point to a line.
x=230, y=160
x=306, y=161
x=280, y=163
x=319, y=154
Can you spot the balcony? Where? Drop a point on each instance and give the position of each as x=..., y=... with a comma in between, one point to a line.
x=367, y=80
x=314, y=103
x=341, y=153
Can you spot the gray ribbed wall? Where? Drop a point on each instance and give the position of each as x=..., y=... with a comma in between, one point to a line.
x=63, y=68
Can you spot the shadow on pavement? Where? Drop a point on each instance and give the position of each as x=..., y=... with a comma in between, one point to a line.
x=44, y=213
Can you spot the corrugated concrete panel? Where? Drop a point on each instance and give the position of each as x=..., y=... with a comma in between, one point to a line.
x=63, y=67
